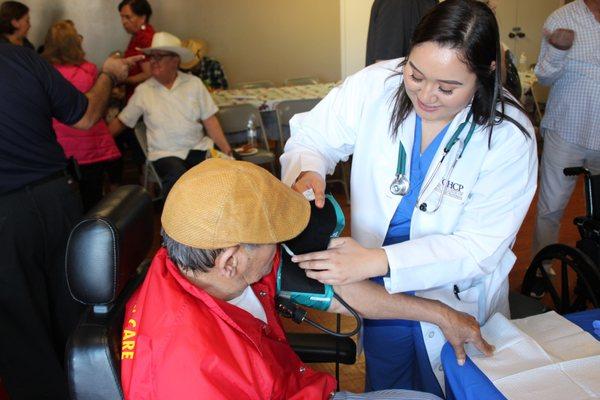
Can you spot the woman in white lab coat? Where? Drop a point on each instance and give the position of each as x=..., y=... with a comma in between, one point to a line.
x=444, y=168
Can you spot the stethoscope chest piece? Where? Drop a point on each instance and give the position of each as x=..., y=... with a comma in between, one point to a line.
x=399, y=186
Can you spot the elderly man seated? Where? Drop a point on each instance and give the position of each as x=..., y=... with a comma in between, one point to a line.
x=175, y=106
x=204, y=322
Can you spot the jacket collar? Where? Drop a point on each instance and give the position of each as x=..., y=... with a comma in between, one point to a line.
x=238, y=319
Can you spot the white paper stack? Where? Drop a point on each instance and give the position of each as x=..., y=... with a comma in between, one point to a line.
x=541, y=357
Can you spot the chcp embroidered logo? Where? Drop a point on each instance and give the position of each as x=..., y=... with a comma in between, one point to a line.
x=452, y=189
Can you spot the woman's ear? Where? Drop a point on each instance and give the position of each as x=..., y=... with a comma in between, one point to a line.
x=227, y=262
x=493, y=66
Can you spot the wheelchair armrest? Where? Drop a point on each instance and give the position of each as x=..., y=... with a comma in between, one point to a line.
x=322, y=348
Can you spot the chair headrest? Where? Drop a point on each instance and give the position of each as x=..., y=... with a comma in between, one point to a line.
x=108, y=244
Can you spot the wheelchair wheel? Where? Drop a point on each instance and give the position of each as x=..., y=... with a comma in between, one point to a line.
x=576, y=285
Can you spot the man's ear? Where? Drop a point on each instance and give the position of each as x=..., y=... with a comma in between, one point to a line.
x=227, y=262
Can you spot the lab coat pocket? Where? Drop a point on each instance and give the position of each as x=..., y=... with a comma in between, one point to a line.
x=467, y=301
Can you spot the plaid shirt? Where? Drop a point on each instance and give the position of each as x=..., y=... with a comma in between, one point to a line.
x=211, y=73
x=573, y=108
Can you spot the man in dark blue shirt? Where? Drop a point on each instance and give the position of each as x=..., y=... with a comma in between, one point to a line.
x=38, y=205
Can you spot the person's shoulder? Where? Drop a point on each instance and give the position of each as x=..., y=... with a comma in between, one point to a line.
x=381, y=70
x=510, y=127
x=378, y=77
x=13, y=51
x=146, y=86
x=19, y=57
x=192, y=80
x=89, y=67
x=565, y=13
x=144, y=36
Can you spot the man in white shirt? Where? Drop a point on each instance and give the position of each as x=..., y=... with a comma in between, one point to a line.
x=175, y=106
x=570, y=65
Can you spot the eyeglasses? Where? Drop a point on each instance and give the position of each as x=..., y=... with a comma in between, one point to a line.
x=158, y=56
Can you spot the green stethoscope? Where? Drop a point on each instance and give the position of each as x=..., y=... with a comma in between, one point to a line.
x=400, y=184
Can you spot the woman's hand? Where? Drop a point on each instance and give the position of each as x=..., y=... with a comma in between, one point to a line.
x=459, y=329
x=311, y=180
x=345, y=261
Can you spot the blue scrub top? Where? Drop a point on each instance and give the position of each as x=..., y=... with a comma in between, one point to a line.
x=399, y=229
x=395, y=351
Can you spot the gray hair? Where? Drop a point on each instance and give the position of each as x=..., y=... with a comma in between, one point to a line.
x=192, y=259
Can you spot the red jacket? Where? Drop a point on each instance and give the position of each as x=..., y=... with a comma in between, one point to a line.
x=96, y=144
x=181, y=343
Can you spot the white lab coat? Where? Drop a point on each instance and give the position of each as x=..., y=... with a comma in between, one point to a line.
x=467, y=242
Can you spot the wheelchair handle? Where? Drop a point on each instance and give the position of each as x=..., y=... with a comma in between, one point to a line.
x=572, y=171
x=589, y=200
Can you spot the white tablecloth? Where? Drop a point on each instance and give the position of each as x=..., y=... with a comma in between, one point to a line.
x=267, y=98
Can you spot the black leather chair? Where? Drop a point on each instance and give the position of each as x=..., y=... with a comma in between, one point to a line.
x=106, y=261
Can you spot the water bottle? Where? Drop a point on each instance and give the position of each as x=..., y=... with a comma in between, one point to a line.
x=251, y=133
x=523, y=62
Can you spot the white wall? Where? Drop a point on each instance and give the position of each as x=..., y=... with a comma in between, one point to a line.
x=354, y=26
x=97, y=20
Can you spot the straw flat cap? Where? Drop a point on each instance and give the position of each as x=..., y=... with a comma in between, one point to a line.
x=222, y=203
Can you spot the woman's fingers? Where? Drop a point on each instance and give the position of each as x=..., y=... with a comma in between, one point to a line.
x=459, y=351
x=482, y=345
x=317, y=255
x=310, y=180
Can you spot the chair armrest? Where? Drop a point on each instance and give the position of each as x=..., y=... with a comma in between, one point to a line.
x=322, y=348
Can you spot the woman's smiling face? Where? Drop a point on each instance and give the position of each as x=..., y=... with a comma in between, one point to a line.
x=437, y=82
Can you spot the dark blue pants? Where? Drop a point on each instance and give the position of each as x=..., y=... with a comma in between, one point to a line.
x=170, y=169
x=396, y=357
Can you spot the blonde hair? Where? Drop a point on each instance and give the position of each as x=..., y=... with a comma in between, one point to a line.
x=63, y=44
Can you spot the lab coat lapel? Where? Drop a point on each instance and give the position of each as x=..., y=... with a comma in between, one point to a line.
x=435, y=180
x=404, y=134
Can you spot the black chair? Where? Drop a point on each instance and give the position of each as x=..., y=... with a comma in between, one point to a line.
x=105, y=263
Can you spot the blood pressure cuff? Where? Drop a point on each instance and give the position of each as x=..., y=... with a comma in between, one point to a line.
x=292, y=282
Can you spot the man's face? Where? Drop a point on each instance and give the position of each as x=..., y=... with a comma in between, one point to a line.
x=131, y=21
x=256, y=262
x=163, y=64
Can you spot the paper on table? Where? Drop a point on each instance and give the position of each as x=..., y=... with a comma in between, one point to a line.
x=515, y=351
x=527, y=362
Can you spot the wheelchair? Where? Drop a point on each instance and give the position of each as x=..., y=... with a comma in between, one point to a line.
x=106, y=261
x=576, y=285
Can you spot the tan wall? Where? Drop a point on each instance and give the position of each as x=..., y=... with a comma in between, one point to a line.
x=254, y=40
x=262, y=39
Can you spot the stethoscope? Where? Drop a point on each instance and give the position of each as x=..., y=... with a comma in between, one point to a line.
x=401, y=184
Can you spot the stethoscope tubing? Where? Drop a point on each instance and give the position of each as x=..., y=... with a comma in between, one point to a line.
x=400, y=184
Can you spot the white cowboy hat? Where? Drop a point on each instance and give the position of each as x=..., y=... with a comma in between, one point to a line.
x=164, y=41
